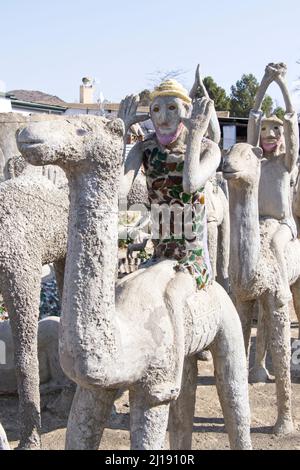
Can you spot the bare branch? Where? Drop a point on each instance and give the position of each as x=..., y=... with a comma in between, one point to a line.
x=155, y=78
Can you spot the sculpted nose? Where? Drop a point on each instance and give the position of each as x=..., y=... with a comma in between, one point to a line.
x=22, y=135
x=162, y=116
x=223, y=164
x=272, y=133
x=19, y=133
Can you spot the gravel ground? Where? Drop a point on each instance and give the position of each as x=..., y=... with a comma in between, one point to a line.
x=208, y=432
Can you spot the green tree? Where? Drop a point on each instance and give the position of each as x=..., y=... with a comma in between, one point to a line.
x=279, y=112
x=242, y=96
x=218, y=94
x=267, y=106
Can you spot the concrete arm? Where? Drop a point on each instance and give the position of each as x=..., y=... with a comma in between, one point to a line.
x=255, y=116
x=213, y=131
x=130, y=169
x=202, y=157
x=290, y=124
x=291, y=133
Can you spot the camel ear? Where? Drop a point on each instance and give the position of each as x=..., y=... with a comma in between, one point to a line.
x=258, y=152
x=117, y=127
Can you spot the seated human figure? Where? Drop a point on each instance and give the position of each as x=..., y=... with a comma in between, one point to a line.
x=280, y=143
x=178, y=160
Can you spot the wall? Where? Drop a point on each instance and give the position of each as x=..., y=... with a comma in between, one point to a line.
x=5, y=105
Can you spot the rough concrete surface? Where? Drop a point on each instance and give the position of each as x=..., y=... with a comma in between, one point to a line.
x=208, y=432
x=104, y=345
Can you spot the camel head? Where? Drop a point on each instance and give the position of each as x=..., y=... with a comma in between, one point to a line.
x=242, y=163
x=67, y=142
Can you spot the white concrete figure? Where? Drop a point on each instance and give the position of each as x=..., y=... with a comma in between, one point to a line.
x=254, y=269
x=280, y=143
x=143, y=335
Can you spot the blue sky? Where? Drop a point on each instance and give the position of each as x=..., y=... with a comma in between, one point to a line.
x=50, y=46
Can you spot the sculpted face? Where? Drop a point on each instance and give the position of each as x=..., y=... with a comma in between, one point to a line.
x=70, y=140
x=166, y=113
x=242, y=162
x=271, y=138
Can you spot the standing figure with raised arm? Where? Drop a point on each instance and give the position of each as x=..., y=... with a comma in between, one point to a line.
x=178, y=160
x=280, y=143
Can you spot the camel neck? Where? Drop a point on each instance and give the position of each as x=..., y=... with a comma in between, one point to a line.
x=244, y=231
x=89, y=297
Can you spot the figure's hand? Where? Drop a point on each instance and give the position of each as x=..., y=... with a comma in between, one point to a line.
x=198, y=85
x=275, y=72
x=128, y=111
x=281, y=72
x=201, y=115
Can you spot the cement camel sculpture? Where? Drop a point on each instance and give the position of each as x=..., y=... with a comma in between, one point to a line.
x=128, y=337
x=33, y=215
x=253, y=269
x=51, y=376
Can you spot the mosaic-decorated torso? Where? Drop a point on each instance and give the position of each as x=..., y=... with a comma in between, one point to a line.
x=180, y=218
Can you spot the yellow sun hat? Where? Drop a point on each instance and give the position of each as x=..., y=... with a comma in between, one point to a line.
x=171, y=88
x=274, y=119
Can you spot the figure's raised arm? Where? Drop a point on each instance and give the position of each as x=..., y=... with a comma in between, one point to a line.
x=130, y=169
x=202, y=157
x=214, y=131
x=128, y=113
x=290, y=123
x=256, y=113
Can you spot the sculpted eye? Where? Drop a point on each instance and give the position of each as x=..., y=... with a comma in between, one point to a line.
x=263, y=128
x=155, y=109
x=172, y=107
x=276, y=128
x=81, y=132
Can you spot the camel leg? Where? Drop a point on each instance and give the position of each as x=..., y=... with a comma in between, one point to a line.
x=21, y=295
x=245, y=310
x=231, y=378
x=148, y=423
x=182, y=410
x=223, y=247
x=88, y=417
x=259, y=373
x=279, y=341
x=296, y=299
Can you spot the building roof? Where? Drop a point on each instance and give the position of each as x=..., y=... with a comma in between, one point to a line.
x=105, y=106
x=34, y=96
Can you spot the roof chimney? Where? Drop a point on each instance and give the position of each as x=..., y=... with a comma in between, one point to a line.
x=87, y=90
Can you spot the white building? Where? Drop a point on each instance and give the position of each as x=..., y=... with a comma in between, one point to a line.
x=5, y=103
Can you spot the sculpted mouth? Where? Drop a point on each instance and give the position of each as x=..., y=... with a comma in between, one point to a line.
x=165, y=130
x=231, y=174
x=29, y=144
